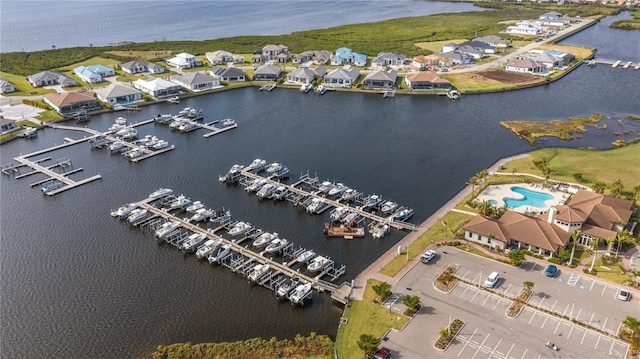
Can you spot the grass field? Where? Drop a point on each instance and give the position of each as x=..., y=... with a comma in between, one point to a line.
x=23, y=86
x=142, y=55
x=92, y=61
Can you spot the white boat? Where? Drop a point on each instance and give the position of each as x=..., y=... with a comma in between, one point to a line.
x=257, y=165
x=116, y=127
x=388, y=207
x=227, y=122
x=281, y=172
x=321, y=89
x=276, y=245
x=255, y=185
x=28, y=132
x=266, y=190
x=116, y=145
x=453, y=95
x=287, y=287
x=273, y=168
x=135, y=153
x=173, y=100
x=121, y=121
x=180, y=202
x=235, y=169
x=264, y=239
x=127, y=133
x=306, y=88
x=379, y=230
x=300, y=293
x=325, y=187
x=202, y=214
x=145, y=140
x=191, y=113
x=371, y=201
x=177, y=122
x=194, y=206
x=161, y=192
x=124, y=210
x=191, y=244
x=207, y=248
x=350, y=216
x=258, y=271
x=136, y=215
x=50, y=186
x=162, y=119
x=338, y=213
x=318, y=263
x=280, y=193
x=305, y=256
x=337, y=190
x=160, y=144
x=317, y=205
x=187, y=126
x=349, y=195
x=166, y=229
x=403, y=214
x=240, y=228
x=219, y=253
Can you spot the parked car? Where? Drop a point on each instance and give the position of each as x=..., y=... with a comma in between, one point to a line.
x=624, y=295
x=383, y=353
x=492, y=280
x=428, y=256
x=551, y=271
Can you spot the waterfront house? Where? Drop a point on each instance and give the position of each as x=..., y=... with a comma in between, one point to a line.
x=158, y=87
x=305, y=75
x=495, y=41
x=219, y=57
x=139, y=66
x=548, y=59
x=552, y=18
x=526, y=66
x=7, y=126
x=426, y=80
x=196, y=81
x=475, y=49
x=317, y=57
x=267, y=72
x=525, y=28
x=6, y=86
x=51, y=78
x=71, y=102
x=184, y=61
x=341, y=77
x=94, y=73
x=595, y=215
x=344, y=56
x=380, y=80
x=385, y=59
x=230, y=74
x=118, y=94
x=276, y=53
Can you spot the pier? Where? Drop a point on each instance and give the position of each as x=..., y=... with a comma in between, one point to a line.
x=62, y=182
x=268, y=87
x=618, y=63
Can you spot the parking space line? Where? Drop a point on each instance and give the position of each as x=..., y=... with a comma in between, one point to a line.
x=557, y=326
x=506, y=290
x=494, y=349
x=510, y=349
x=474, y=296
x=553, y=306
x=573, y=280
x=532, y=316
x=597, y=341
x=497, y=302
x=480, y=346
x=533, y=267
x=605, y=323
x=545, y=321
x=578, y=316
x=565, y=310
x=613, y=342
x=571, y=330
x=485, y=300
x=615, y=295
x=464, y=291
x=540, y=304
x=591, y=320
x=467, y=343
x=604, y=289
x=592, y=283
x=583, y=336
x=525, y=353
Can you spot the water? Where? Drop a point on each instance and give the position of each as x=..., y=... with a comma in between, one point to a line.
x=531, y=198
x=101, y=23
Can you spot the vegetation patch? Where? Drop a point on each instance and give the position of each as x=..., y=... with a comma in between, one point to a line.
x=448, y=334
x=446, y=281
x=142, y=55
x=564, y=130
x=519, y=302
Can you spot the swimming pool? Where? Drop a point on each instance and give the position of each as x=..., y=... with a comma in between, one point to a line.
x=531, y=198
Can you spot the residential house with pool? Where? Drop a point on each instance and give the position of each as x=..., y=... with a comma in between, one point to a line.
x=94, y=73
x=344, y=56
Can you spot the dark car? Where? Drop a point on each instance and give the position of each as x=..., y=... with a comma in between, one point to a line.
x=551, y=271
x=383, y=353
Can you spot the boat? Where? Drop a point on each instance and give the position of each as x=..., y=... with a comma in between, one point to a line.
x=272, y=168
x=173, y=100
x=166, y=229
x=337, y=190
x=388, y=207
x=145, y=140
x=227, y=122
x=177, y=122
x=191, y=244
x=317, y=205
x=180, y=202
x=255, y=185
x=305, y=256
x=208, y=247
x=349, y=217
x=453, y=95
x=240, y=228
x=127, y=133
x=338, y=213
x=235, y=169
x=349, y=195
x=124, y=210
x=300, y=293
x=135, y=152
x=306, y=88
x=403, y=214
x=371, y=201
x=187, y=126
x=264, y=239
x=219, y=253
x=161, y=192
x=50, y=186
x=116, y=145
x=258, y=271
x=194, y=206
x=160, y=144
x=194, y=114
x=29, y=132
x=378, y=230
x=348, y=231
x=202, y=214
x=136, y=215
x=257, y=165
x=162, y=119
x=325, y=187
x=287, y=287
x=266, y=190
x=318, y=263
x=280, y=193
x=282, y=172
x=321, y=89
x=276, y=245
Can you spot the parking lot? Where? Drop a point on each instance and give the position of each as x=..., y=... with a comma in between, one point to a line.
x=489, y=333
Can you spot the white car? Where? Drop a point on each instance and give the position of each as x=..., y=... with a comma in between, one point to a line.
x=428, y=256
x=624, y=295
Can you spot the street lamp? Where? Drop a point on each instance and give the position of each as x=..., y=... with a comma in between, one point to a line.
x=444, y=235
x=571, y=314
x=480, y=279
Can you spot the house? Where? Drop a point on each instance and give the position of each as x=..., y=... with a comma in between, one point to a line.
x=219, y=57
x=526, y=66
x=157, y=87
x=230, y=74
x=117, y=94
x=6, y=86
x=380, y=80
x=430, y=62
x=553, y=18
x=449, y=47
x=546, y=58
x=184, y=61
x=277, y=53
x=196, y=81
x=49, y=78
x=495, y=41
x=525, y=28
x=139, y=66
x=595, y=215
x=427, y=80
x=456, y=58
x=71, y=102
x=318, y=57
x=94, y=73
x=344, y=56
x=475, y=49
x=304, y=75
x=267, y=73
x=7, y=126
x=385, y=59
x=341, y=77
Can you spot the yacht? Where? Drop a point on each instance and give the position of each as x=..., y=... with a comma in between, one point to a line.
x=135, y=153
x=273, y=167
x=227, y=122
x=116, y=145
x=280, y=193
x=317, y=205
x=305, y=88
x=305, y=256
x=285, y=288
x=338, y=213
x=257, y=165
x=321, y=89
x=160, y=144
x=124, y=210
x=266, y=190
x=264, y=239
x=282, y=172
x=179, y=203
x=337, y=190
x=371, y=201
x=453, y=95
x=163, y=119
x=349, y=195
x=195, y=114
x=388, y=207
x=127, y=133
x=258, y=271
x=207, y=248
x=166, y=229
x=403, y=214
x=50, y=186
x=194, y=206
x=145, y=140
x=187, y=126
x=300, y=293
x=276, y=245
x=202, y=214
x=255, y=185
x=116, y=127
x=28, y=132
x=191, y=244
x=234, y=170
x=219, y=253
x=121, y=121
x=379, y=230
x=136, y=215
x=318, y=263
x=325, y=187
x=240, y=228
x=161, y=192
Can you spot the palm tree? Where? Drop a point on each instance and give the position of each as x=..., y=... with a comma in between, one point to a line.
x=575, y=236
x=632, y=323
x=599, y=187
x=411, y=301
x=483, y=174
x=621, y=237
x=473, y=182
x=383, y=290
x=596, y=242
x=485, y=208
x=542, y=165
x=609, y=242
x=617, y=187
x=636, y=191
x=513, y=174
x=369, y=344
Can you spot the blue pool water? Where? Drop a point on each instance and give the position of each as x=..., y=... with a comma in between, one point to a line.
x=531, y=198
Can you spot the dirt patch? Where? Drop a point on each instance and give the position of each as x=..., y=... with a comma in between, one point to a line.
x=507, y=77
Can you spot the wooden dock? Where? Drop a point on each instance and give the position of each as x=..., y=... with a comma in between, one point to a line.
x=152, y=153
x=65, y=182
x=216, y=130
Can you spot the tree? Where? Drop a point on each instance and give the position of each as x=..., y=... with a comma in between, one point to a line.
x=543, y=166
x=485, y=208
x=383, y=290
x=482, y=175
x=632, y=324
x=636, y=191
x=517, y=257
x=368, y=344
x=473, y=182
x=609, y=242
x=617, y=187
x=599, y=187
x=621, y=237
x=513, y=174
x=528, y=284
x=574, y=236
x=595, y=242
x=411, y=301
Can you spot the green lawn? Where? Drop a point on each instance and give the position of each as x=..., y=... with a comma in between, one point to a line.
x=23, y=86
x=92, y=61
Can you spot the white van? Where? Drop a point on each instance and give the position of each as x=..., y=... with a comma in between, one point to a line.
x=492, y=280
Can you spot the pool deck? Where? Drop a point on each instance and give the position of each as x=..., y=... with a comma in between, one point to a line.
x=498, y=192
